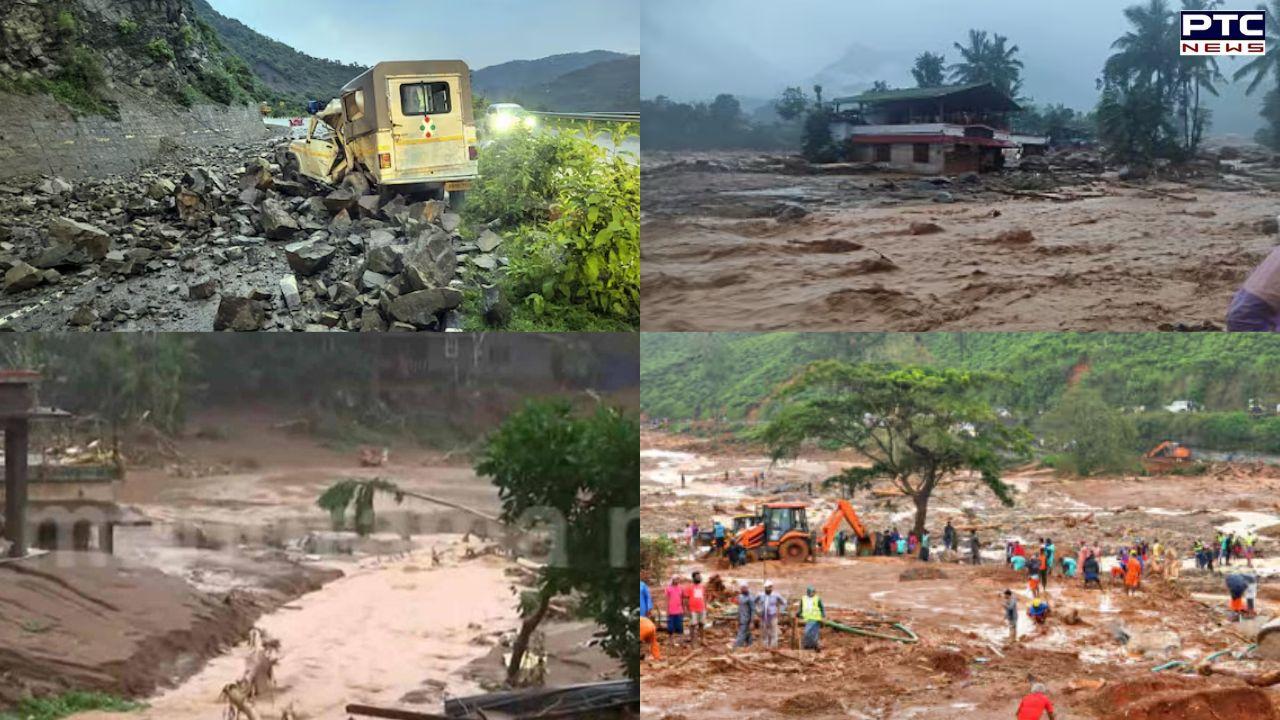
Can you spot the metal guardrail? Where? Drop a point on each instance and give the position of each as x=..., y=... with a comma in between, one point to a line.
x=627, y=117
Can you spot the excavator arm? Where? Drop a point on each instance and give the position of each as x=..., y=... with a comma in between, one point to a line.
x=844, y=512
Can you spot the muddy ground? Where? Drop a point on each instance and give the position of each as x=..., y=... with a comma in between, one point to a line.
x=740, y=241
x=963, y=666
x=237, y=542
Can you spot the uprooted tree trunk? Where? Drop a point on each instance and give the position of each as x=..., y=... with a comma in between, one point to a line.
x=1263, y=679
x=527, y=628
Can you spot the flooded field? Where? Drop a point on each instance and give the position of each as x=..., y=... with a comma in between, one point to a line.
x=737, y=241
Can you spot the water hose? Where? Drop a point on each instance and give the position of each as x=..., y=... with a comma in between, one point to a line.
x=1168, y=665
x=909, y=639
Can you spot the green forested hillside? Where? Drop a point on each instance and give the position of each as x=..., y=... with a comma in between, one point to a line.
x=701, y=376
x=293, y=76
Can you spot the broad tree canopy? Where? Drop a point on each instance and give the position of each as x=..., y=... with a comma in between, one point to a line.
x=917, y=426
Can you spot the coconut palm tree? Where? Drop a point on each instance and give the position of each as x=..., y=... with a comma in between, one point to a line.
x=1145, y=54
x=989, y=59
x=929, y=70
x=1263, y=65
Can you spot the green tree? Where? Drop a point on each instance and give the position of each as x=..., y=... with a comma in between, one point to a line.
x=929, y=70
x=585, y=468
x=917, y=425
x=791, y=104
x=989, y=59
x=1262, y=67
x=1093, y=436
x=817, y=144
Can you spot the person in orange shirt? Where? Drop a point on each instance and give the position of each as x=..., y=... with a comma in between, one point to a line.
x=649, y=636
x=1132, y=575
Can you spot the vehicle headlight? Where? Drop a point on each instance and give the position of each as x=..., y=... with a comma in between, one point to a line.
x=504, y=122
x=531, y=122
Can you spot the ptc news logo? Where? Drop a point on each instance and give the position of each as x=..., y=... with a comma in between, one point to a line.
x=1223, y=32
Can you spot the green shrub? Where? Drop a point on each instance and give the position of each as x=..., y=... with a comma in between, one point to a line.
x=159, y=50
x=188, y=96
x=656, y=554
x=66, y=23
x=70, y=703
x=576, y=213
x=127, y=27
x=188, y=36
x=219, y=86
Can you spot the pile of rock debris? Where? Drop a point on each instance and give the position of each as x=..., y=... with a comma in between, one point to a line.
x=213, y=240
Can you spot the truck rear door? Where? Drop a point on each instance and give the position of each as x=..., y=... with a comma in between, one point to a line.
x=426, y=116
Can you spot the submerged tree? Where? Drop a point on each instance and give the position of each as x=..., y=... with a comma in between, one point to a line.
x=917, y=425
x=929, y=70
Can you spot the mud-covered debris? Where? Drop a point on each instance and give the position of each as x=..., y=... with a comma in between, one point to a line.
x=924, y=228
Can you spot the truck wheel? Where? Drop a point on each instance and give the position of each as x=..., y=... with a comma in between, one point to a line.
x=457, y=198
x=793, y=550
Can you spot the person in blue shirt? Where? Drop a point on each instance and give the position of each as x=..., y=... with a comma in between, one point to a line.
x=717, y=531
x=646, y=600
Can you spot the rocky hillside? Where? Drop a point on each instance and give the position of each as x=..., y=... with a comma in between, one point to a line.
x=89, y=54
x=292, y=76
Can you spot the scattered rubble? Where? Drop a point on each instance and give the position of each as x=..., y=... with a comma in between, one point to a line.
x=225, y=241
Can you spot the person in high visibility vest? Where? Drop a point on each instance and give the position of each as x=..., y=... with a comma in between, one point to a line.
x=812, y=612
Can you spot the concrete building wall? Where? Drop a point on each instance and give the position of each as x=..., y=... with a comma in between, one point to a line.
x=39, y=137
x=902, y=157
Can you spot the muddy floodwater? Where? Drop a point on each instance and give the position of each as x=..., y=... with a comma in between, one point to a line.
x=732, y=242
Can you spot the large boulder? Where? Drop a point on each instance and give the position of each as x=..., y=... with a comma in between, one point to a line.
x=420, y=308
x=277, y=222
x=340, y=199
x=308, y=257
x=239, y=313
x=431, y=256
x=257, y=175
x=21, y=277
x=93, y=241
x=488, y=241
x=385, y=259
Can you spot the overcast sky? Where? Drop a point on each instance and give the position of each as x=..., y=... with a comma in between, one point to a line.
x=481, y=32
x=753, y=48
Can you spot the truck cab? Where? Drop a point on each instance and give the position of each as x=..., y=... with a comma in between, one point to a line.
x=406, y=125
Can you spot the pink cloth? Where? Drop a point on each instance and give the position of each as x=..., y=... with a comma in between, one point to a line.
x=675, y=600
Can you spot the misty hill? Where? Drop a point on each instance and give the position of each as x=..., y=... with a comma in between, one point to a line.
x=603, y=87
x=291, y=74
x=504, y=79
x=696, y=375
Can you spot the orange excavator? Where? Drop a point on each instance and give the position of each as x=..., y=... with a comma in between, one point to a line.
x=1166, y=456
x=783, y=532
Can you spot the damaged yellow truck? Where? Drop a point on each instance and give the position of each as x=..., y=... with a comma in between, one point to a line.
x=405, y=125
